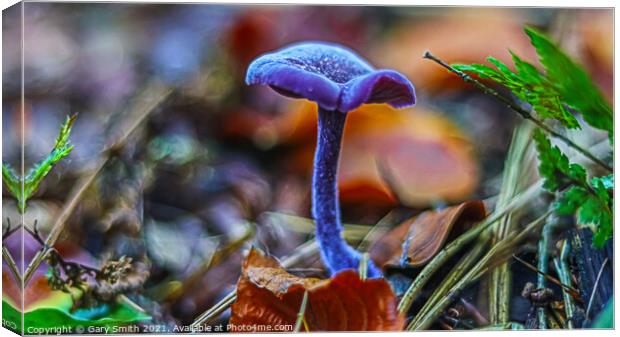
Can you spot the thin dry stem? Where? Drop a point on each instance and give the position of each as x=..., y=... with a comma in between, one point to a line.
x=561, y=266
x=302, y=312
x=598, y=279
x=8, y=258
x=474, y=273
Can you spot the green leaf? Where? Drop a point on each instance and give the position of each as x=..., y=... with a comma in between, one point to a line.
x=598, y=211
x=593, y=210
x=40, y=171
x=565, y=83
x=553, y=165
x=62, y=141
x=50, y=317
x=589, y=200
x=527, y=71
x=527, y=84
x=572, y=82
x=507, y=74
x=12, y=182
x=62, y=148
x=571, y=200
x=606, y=181
x=592, y=203
x=480, y=70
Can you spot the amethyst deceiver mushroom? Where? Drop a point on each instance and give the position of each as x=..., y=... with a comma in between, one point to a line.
x=339, y=81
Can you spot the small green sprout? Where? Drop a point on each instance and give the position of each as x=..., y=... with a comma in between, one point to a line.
x=23, y=188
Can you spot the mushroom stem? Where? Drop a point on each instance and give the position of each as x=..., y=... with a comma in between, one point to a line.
x=336, y=253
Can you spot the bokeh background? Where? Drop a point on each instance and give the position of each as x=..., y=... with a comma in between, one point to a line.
x=217, y=154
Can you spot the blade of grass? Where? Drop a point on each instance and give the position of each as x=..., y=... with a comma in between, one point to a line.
x=453, y=247
x=381, y=227
x=510, y=186
x=474, y=273
x=543, y=266
x=302, y=312
x=461, y=267
x=561, y=266
x=363, y=267
x=591, y=300
x=516, y=165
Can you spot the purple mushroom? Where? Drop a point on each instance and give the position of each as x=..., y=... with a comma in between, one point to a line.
x=339, y=81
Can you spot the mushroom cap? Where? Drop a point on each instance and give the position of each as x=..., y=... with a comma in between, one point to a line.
x=334, y=77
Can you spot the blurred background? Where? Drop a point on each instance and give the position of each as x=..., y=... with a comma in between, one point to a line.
x=194, y=181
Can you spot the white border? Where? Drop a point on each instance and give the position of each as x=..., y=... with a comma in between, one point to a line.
x=471, y=3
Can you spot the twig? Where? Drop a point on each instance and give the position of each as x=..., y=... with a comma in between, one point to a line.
x=474, y=313
x=561, y=266
x=8, y=258
x=158, y=94
x=598, y=279
x=569, y=289
x=302, y=312
x=521, y=111
x=9, y=229
x=456, y=322
x=65, y=265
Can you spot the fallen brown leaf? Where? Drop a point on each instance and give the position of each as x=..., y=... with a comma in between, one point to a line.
x=267, y=295
x=425, y=234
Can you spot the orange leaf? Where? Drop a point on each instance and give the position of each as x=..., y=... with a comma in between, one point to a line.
x=425, y=157
x=267, y=295
x=422, y=155
x=414, y=154
x=426, y=234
